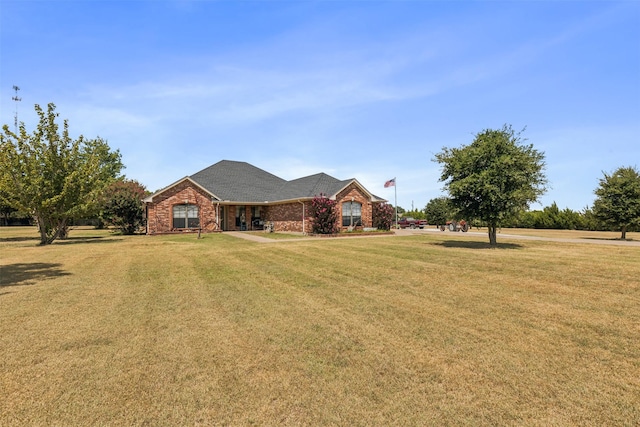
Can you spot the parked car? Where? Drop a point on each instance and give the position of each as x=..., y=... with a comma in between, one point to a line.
x=409, y=222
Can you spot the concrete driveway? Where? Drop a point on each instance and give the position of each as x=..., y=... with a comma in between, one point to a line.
x=409, y=232
x=416, y=231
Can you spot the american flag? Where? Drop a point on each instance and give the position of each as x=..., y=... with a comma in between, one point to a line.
x=390, y=183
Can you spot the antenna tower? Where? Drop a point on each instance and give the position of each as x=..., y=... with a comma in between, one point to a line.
x=16, y=99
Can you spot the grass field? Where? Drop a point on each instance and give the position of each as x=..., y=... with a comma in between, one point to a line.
x=431, y=329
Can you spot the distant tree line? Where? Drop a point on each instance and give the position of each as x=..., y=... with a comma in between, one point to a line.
x=616, y=208
x=552, y=217
x=438, y=212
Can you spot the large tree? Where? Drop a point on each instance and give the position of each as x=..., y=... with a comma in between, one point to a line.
x=494, y=178
x=618, y=199
x=52, y=176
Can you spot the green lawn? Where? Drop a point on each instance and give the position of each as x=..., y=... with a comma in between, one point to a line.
x=432, y=329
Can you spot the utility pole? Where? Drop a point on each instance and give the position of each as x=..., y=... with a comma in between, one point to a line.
x=17, y=99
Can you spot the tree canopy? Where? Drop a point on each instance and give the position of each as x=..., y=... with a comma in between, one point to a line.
x=52, y=176
x=494, y=178
x=618, y=199
x=439, y=210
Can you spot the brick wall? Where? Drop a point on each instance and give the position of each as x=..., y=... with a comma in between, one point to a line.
x=285, y=216
x=160, y=212
x=288, y=217
x=353, y=192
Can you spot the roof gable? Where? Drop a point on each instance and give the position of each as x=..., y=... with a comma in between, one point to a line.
x=149, y=199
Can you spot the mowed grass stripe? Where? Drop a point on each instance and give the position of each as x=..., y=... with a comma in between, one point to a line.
x=316, y=262
x=313, y=328
x=395, y=331
x=59, y=344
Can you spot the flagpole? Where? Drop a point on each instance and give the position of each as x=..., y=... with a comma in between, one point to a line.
x=395, y=189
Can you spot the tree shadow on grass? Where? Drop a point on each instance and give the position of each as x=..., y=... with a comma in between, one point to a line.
x=18, y=239
x=67, y=241
x=29, y=273
x=609, y=239
x=86, y=239
x=476, y=245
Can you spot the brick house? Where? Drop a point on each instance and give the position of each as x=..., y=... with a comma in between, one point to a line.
x=232, y=195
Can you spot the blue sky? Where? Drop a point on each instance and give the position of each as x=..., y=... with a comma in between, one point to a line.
x=363, y=89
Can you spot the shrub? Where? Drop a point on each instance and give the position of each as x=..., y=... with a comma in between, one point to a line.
x=383, y=216
x=123, y=207
x=325, y=215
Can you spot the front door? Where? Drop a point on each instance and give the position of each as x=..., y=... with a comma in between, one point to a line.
x=241, y=218
x=222, y=218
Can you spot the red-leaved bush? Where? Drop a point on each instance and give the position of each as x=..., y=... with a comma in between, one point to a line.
x=383, y=214
x=325, y=215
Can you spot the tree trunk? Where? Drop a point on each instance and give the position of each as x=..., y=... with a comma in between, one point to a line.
x=624, y=232
x=492, y=235
x=48, y=235
x=63, y=232
x=42, y=229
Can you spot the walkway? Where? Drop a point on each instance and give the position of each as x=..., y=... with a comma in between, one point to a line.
x=253, y=237
x=259, y=239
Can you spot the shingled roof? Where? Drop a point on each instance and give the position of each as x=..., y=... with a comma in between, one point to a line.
x=235, y=181
x=310, y=186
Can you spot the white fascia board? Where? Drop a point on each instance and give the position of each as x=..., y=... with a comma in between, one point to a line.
x=355, y=181
x=180, y=181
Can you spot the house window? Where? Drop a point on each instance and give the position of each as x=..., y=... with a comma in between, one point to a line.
x=185, y=216
x=256, y=219
x=351, y=214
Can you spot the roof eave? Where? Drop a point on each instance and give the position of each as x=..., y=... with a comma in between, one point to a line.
x=150, y=198
x=353, y=181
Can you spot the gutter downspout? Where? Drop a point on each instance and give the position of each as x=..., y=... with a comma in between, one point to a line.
x=303, y=229
x=218, y=216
